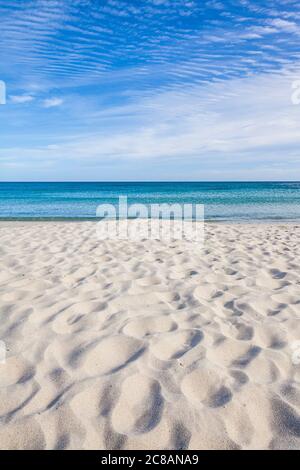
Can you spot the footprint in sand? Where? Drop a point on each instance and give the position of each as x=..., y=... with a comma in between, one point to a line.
x=227, y=352
x=277, y=274
x=15, y=296
x=208, y=292
x=146, y=326
x=173, y=345
x=77, y=315
x=139, y=407
x=15, y=370
x=262, y=370
x=267, y=336
x=78, y=275
x=168, y=296
x=207, y=387
x=266, y=281
x=112, y=354
x=148, y=281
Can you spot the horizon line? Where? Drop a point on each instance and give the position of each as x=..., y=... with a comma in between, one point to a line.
x=147, y=181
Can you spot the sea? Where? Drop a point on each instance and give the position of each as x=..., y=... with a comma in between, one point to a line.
x=222, y=201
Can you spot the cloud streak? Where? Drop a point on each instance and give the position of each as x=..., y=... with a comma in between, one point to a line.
x=52, y=102
x=205, y=84
x=249, y=123
x=21, y=99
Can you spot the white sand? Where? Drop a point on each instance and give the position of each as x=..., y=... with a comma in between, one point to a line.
x=121, y=344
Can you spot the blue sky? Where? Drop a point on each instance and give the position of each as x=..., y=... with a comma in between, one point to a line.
x=149, y=90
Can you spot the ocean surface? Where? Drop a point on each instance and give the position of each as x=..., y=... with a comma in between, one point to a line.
x=222, y=201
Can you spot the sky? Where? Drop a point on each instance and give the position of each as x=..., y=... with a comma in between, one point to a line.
x=150, y=90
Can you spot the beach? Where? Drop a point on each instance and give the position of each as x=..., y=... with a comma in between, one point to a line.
x=151, y=344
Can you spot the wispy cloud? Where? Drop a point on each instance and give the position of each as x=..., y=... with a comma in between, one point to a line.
x=68, y=43
x=20, y=99
x=52, y=102
x=204, y=85
x=247, y=127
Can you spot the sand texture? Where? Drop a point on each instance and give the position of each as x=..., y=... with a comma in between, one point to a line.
x=152, y=344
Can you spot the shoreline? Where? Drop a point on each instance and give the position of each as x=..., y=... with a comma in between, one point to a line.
x=205, y=221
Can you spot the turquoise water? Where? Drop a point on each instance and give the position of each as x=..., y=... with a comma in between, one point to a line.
x=223, y=201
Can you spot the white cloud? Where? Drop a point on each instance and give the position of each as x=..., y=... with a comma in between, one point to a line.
x=287, y=26
x=248, y=125
x=20, y=99
x=52, y=102
x=182, y=97
x=253, y=115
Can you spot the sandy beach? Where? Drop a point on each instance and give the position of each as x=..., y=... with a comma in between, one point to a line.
x=152, y=344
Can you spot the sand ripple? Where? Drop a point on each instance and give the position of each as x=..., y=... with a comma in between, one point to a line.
x=139, y=345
